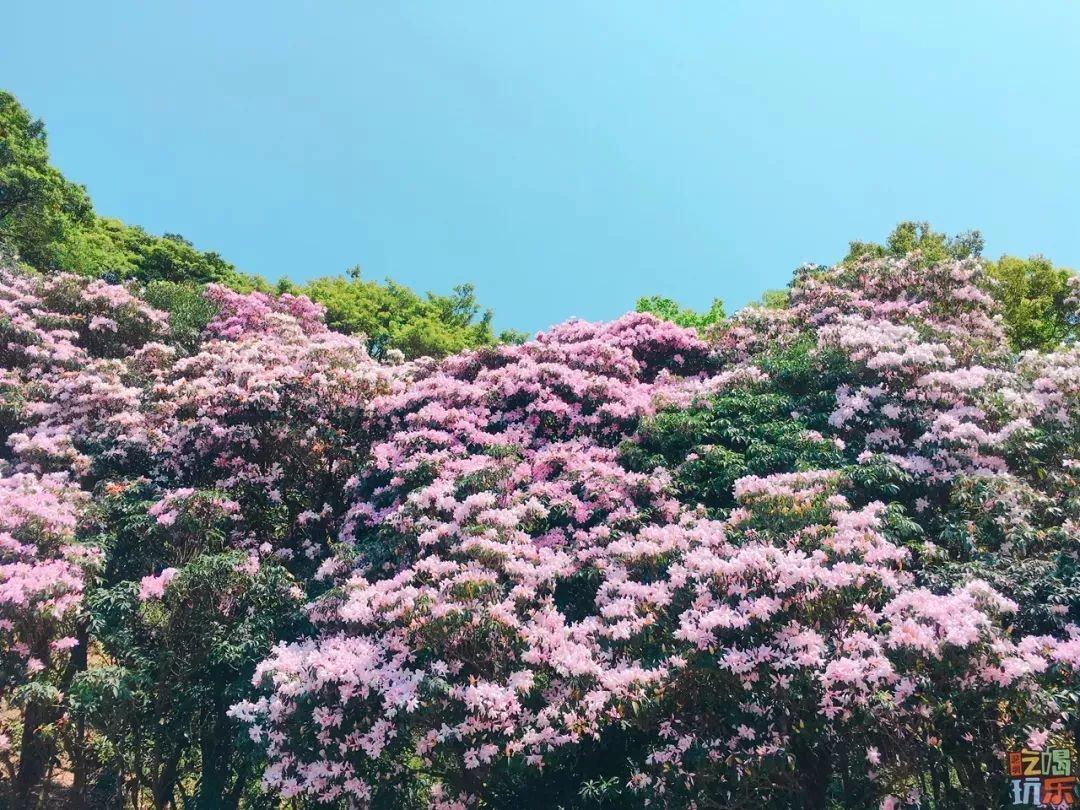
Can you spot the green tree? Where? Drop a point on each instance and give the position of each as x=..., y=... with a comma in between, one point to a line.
x=156, y=704
x=910, y=236
x=669, y=310
x=38, y=205
x=104, y=246
x=774, y=299
x=101, y=246
x=189, y=310
x=1034, y=297
x=392, y=316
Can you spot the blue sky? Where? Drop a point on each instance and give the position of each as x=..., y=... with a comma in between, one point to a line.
x=567, y=158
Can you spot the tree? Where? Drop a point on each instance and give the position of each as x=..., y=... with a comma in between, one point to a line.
x=670, y=310
x=39, y=207
x=108, y=247
x=909, y=237
x=392, y=316
x=1034, y=296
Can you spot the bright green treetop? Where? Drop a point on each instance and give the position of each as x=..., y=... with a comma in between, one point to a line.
x=669, y=310
x=910, y=236
x=1034, y=297
x=392, y=316
x=39, y=207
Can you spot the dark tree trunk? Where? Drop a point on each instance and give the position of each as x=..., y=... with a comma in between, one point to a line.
x=79, y=658
x=34, y=754
x=818, y=772
x=165, y=784
x=216, y=748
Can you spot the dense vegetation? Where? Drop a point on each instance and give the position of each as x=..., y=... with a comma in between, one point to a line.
x=821, y=553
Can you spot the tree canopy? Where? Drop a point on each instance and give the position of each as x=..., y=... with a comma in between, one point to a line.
x=392, y=316
x=918, y=237
x=670, y=310
x=39, y=207
x=1036, y=300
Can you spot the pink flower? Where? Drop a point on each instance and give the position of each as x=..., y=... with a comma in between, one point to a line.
x=1037, y=738
x=153, y=586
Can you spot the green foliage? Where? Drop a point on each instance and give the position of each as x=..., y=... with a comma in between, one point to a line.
x=100, y=247
x=39, y=207
x=670, y=310
x=1034, y=294
x=737, y=433
x=158, y=710
x=392, y=316
x=189, y=310
x=108, y=247
x=909, y=236
x=1009, y=535
x=514, y=336
x=809, y=376
x=751, y=429
x=774, y=299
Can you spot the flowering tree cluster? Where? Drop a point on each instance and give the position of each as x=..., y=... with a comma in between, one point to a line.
x=621, y=561
x=818, y=554
x=164, y=511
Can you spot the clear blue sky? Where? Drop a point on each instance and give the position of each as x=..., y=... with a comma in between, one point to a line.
x=565, y=157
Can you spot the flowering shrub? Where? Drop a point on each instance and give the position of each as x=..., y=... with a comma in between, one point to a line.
x=213, y=473
x=482, y=523
x=822, y=554
x=516, y=590
x=72, y=409
x=42, y=580
x=524, y=609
